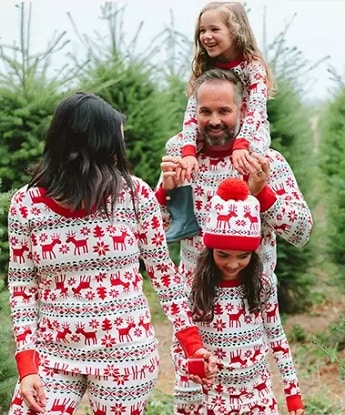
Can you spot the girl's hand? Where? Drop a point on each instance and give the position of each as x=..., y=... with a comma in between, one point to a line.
x=31, y=389
x=241, y=161
x=206, y=372
x=192, y=166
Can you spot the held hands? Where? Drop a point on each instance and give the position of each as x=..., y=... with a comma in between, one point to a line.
x=173, y=172
x=202, y=366
x=31, y=389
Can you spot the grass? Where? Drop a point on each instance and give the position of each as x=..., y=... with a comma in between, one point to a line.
x=8, y=370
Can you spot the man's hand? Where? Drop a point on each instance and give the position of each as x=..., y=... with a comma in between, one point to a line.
x=173, y=172
x=31, y=389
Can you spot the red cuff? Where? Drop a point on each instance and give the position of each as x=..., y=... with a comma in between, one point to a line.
x=27, y=363
x=294, y=402
x=196, y=366
x=266, y=197
x=240, y=144
x=161, y=196
x=190, y=340
x=189, y=150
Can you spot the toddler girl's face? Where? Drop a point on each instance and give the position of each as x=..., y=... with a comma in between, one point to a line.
x=231, y=263
x=215, y=36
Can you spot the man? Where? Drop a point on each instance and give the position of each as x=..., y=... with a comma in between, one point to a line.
x=284, y=211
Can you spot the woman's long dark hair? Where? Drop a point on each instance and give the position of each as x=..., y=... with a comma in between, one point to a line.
x=84, y=159
x=207, y=277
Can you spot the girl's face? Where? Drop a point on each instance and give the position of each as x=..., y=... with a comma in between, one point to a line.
x=231, y=263
x=215, y=36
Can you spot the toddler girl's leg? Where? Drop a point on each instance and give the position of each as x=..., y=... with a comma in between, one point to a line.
x=126, y=390
x=64, y=392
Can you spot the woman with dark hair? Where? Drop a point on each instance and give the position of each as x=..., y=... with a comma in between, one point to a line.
x=76, y=232
x=234, y=303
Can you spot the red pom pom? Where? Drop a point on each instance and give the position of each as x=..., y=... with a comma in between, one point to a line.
x=233, y=188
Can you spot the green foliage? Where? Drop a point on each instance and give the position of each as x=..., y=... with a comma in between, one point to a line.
x=333, y=344
x=173, y=100
x=321, y=405
x=291, y=135
x=333, y=137
x=4, y=203
x=8, y=370
x=126, y=80
x=297, y=334
x=28, y=97
x=159, y=403
x=23, y=121
x=128, y=87
x=332, y=161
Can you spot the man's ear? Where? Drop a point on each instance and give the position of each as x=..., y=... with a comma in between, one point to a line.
x=243, y=110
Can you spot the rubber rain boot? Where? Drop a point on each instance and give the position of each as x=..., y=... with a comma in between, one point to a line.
x=181, y=208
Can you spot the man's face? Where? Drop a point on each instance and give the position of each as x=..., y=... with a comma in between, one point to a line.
x=217, y=114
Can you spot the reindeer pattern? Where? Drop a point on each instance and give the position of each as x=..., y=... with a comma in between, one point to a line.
x=238, y=338
x=289, y=216
x=135, y=381
x=81, y=274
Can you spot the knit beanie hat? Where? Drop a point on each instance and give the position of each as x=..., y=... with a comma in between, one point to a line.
x=234, y=219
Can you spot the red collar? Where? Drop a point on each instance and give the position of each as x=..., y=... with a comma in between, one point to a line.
x=231, y=283
x=218, y=151
x=40, y=197
x=229, y=65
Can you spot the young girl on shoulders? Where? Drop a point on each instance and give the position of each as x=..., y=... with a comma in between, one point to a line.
x=224, y=39
x=235, y=306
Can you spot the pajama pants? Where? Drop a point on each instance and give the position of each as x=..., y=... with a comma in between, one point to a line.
x=124, y=393
x=190, y=400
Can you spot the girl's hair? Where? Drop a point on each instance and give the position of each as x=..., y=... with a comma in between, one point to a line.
x=207, y=277
x=84, y=161
x=235, y=18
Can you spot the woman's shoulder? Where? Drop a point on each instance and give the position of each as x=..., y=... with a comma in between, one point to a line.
x=21, y=194
x=138, y=181
x=141, y=187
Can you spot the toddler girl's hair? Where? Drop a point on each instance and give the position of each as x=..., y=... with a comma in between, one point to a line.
x=235, y=18
x=207, y=277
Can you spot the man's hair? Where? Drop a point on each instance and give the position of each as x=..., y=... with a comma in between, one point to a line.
x=221, y=75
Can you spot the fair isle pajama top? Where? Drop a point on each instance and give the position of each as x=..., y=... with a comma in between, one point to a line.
x=75, y=285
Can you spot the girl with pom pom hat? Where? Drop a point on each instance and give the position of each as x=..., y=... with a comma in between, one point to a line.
x=234, y=302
